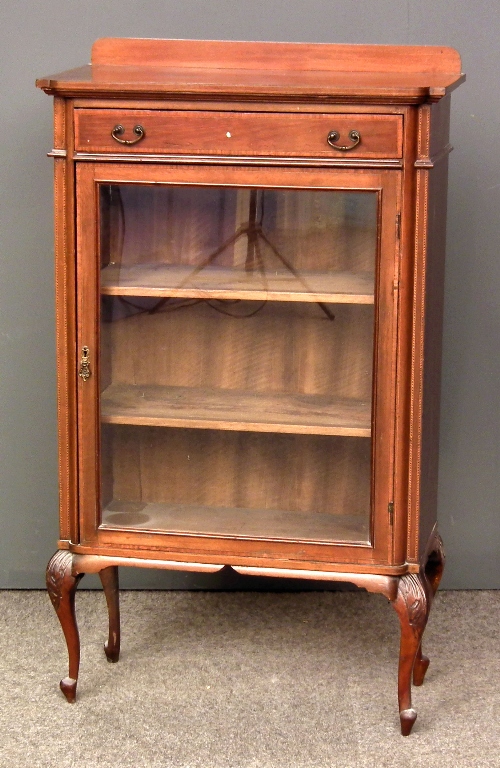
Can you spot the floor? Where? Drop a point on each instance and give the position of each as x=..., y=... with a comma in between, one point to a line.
x=248, y=680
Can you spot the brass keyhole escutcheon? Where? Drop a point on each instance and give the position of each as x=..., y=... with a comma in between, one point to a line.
x=84, y=372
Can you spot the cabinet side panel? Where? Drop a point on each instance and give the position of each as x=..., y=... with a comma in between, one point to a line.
x=430, y=246
x=433, y=331
x=440, y=126
x=404, y=353
x=65, y=328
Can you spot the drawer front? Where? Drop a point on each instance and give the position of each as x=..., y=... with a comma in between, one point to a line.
x=247, y=134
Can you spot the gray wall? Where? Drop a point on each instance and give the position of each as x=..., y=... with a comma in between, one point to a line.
x=41, y=38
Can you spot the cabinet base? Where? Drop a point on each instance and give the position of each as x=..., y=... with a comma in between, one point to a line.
x=411, y=595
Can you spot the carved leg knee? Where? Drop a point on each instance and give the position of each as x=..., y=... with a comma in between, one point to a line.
x=412, y=606
x=61, y=586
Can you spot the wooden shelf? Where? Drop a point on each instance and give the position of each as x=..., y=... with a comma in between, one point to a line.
x=192, y=519
x=225, y=283
x=234, y=410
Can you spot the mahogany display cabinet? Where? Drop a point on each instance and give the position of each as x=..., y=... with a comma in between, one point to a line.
x=250, y=249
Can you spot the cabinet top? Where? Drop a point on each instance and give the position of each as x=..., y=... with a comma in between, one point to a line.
x=145, y=68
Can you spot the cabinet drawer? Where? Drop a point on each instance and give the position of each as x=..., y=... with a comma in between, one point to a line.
x=249, y=134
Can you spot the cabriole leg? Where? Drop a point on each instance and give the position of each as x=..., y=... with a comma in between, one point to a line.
x=109, y=580
x=420, y=666
x=61, y=586
x=433, y=573
x=412, y=606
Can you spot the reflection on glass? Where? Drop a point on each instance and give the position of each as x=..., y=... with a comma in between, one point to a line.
x=236, y=360
x=158, y=240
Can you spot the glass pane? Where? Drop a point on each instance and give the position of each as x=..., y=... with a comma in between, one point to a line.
x=251, y=484
x=170, y=241
x=236, y=361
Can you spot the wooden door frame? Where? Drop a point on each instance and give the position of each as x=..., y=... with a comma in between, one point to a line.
x=387, y=183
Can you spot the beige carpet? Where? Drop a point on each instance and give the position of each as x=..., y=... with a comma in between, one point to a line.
x=248, y=680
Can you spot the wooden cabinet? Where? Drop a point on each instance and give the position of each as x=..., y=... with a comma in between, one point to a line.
x=249, y=272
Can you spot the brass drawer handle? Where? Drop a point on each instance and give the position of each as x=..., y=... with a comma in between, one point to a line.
x=119, y=130
x=334, y=136
x=84, y=372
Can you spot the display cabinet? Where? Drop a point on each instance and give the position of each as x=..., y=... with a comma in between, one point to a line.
x=249, y=270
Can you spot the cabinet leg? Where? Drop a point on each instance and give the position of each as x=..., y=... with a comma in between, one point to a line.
x=412, y=606
x=420, y=666
x=433, y=573
x=61, y=586
x=109, y=581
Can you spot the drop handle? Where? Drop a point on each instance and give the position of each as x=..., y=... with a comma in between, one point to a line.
x=334, y=136
x=119, y=130
x=84, y=372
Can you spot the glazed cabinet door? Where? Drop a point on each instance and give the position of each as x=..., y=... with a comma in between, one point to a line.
x=237, y=334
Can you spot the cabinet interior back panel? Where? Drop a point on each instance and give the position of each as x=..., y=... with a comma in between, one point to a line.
x=285, y=347
x=309, y=474
x=317, y=230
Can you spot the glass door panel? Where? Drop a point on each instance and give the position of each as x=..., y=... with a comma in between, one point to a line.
x=236, y=357
x=233, y=483
x=173, y=241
